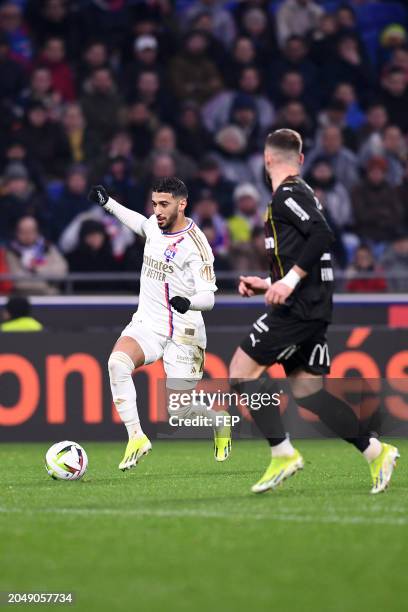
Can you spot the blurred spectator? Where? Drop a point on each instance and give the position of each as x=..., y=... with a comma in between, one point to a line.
x=16, y=151
x=250, y=257
x=392, y=38
x=53, y=57
x=192, y=75
x=54, y=18
x=120, y=183
x=71, y=201
x=164, y=141
x=376, y=205
x=12, y=76
x=335, y=114
x=324, y=40
x=223, y=26
x=369, y=134
x=292, y=89
x=299, y=17
x=41, y=90
x=30, y=255
x=18, y=199
x=147, y=90
x=16, y=31
x=391, y=146
x=141, y=125
x=346, y=94
x=394, y=96
x=336, y=198
x=399, y=59
x=145, y=57
x=45, y=141
x=193, y=138
x=95, y=56
x=218, y=110
x=395, y=263
x=121, y=236
x=293, y=116
x=222, y=262
x=101, y=105
x=363, y=274
x=243, y=55
x=343, y=161
x=255, y=22
x=244, y=115
x=294, y=58
x=231, y=154
x=82, y=144
x=348, y=66
x=403, y=194
x=17, y=317
x=94, y=253
x=247, y=214
x=205, y=208
x=209, y=176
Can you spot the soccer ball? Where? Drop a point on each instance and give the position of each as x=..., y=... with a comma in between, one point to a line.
x=66, y=461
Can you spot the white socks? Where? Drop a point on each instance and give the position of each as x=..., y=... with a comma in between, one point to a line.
x=284, y=449
x=120, y=368
x=373, y=450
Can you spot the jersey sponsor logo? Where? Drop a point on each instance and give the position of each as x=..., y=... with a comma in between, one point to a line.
x=297, y=209
x=253, y=339
x=269, y=243
x=157, y=265
x=171, y=249
x=322, y=352
x=260, y=326
x=207, y=273
x=327, y=274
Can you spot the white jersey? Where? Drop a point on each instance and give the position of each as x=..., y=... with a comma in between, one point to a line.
x=179, y=263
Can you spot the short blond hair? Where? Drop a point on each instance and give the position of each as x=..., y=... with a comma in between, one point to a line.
x=285, y=140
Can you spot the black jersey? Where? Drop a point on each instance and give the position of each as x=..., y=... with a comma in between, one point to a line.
x=294, y=220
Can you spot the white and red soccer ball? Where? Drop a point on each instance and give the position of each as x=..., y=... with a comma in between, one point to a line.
x=66, y=461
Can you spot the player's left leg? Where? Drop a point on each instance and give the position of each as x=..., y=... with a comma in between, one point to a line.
x=339, y=417
x=137, y=346
x=271, y=337
x=184, y=366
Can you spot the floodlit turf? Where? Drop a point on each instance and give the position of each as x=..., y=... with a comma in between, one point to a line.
x=182, y=532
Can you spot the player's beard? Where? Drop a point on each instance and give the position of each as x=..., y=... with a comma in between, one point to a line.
x=169, y=223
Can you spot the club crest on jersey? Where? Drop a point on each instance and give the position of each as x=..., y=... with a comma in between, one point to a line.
x=171, y=250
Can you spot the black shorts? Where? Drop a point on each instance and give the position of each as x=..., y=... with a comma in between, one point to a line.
x=277, y=338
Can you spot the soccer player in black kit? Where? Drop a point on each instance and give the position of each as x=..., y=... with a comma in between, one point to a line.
x=298, y=295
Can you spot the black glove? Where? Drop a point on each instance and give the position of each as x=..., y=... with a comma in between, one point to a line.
x=98, y=194
x=180, y=304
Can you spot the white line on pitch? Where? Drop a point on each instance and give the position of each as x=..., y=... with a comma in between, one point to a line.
x=147, y=512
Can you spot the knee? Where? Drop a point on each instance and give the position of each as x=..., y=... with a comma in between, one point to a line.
x=120, y=366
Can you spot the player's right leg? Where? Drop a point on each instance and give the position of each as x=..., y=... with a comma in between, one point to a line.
x=137, y=346
x=247, y=375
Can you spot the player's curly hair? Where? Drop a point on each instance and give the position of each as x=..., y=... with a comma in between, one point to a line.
x=172, y=185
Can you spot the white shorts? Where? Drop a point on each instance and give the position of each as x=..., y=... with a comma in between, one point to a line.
x=183, y=363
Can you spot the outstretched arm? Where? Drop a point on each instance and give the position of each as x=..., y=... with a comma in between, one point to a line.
x=132, y=219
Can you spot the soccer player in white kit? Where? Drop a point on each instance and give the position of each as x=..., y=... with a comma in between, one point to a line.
x=177, y=282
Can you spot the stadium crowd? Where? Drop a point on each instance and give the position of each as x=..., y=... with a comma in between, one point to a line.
x=118, y=93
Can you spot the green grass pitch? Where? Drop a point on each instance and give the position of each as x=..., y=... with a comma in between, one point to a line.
x=181, y=532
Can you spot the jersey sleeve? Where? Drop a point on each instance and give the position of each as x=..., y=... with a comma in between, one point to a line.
x=304, y=211
x=201, y=264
